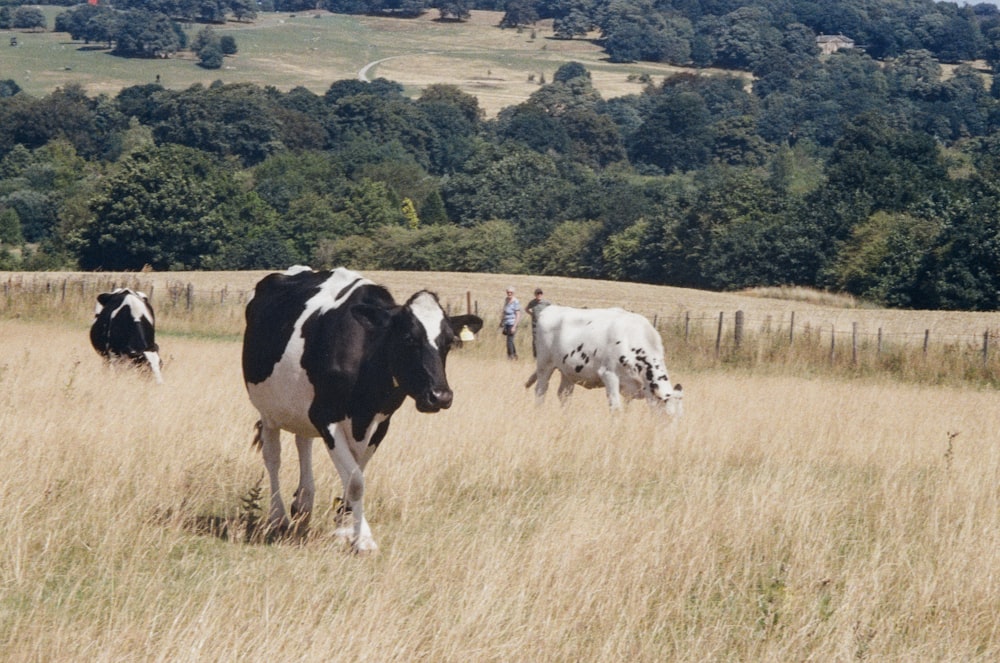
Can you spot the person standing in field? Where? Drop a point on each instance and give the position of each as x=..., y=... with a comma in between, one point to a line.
x=510, y=315
x=534, y=307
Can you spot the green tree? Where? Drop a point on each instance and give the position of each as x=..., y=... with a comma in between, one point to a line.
x=170, y=207
x=432, y=210
x=210, y=57
x=885, y=258
x=519, y=13
x=370, y=205
x=572, y=249
x=452, y=10
x=28, y=18
x=410, y=214
x=676, y=135
x=513, y=184
x=227, y=44
x=228, y=120
x=10, y=226
x=144, y=34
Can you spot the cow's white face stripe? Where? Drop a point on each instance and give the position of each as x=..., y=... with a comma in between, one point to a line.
x=428, y=312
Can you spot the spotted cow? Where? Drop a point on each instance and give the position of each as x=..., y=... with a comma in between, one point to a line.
x=609, y=347
x=330, y=354
x=124, y=328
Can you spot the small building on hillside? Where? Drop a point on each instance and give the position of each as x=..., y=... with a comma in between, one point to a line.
x=832, y=43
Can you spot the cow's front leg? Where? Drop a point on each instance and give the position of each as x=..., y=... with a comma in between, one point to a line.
x=566, y=386
x=305, y=494
x=356, y=531
x=612, y=386
x=270, y=447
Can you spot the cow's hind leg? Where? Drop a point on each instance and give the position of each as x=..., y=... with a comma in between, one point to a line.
x=302, y=505
x=541, y=378
x=270, y=447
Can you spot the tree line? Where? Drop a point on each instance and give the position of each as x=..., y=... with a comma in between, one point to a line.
x=877, y=178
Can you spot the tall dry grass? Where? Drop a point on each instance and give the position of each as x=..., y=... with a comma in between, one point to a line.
x=782, y=518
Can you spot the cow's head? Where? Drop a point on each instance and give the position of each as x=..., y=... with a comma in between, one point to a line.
x=659, y=392
x=417, y=338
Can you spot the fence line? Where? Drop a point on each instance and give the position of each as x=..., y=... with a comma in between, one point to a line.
x=732, y=331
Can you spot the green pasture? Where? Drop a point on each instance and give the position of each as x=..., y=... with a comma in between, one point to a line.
x=43, y=61
x=314, y=49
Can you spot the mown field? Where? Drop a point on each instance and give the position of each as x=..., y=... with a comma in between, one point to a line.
x=314, y=49
x=785, y=517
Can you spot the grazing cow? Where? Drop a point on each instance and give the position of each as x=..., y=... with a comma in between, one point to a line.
x=124, y=328
x=331, y=354
x=609, y=347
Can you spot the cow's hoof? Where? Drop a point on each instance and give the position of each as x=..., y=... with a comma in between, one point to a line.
x=364, y=545
x=300, y=517
x=277, y=530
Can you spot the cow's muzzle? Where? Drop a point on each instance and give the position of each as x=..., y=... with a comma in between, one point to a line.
x=435, y=400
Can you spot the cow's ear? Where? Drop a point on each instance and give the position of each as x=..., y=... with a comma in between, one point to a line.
x=103, y=298
x=473, y=322
x=371, y=317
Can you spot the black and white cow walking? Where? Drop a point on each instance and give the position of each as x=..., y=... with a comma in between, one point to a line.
x=331, y=354
x=610, y=347
x=125, y=328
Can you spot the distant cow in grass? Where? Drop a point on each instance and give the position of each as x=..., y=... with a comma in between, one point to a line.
x=609, y=347
x=330, y=354
x=124, y=328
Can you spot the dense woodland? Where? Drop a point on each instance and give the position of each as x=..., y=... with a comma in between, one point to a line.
x=878, y=176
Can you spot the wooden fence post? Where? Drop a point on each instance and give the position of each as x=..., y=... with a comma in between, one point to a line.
x=190, y=295
x=687, y=325
x=738, y=330
x=718, y=336
x=791, y=329
x=833, y=341
x=927, y=339
x=986, y=347
x=854, y=344
x=878, y=345
x=468, y=301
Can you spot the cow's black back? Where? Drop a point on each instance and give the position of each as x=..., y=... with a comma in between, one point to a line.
x=117, y=332
x=278, y=302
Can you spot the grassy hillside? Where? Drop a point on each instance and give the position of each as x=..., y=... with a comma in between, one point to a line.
x=783, y=518
x=314, y=49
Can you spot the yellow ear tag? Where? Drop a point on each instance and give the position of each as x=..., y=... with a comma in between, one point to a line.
x=466, y=334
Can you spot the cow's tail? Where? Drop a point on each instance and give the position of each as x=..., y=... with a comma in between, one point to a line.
x=257, y=443
x=531, y=380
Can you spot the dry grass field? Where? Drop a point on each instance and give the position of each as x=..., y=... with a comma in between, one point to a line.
x=783, y=518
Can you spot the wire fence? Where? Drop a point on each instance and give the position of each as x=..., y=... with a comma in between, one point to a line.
x=693, y=338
